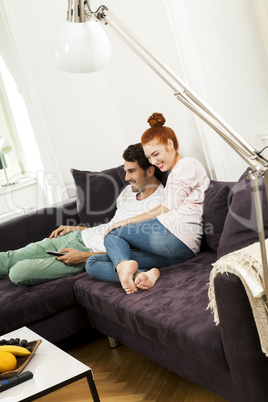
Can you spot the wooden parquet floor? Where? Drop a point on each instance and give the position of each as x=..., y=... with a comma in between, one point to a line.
x=122, y=375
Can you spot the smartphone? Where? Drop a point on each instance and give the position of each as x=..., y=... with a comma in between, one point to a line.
x=56, y=253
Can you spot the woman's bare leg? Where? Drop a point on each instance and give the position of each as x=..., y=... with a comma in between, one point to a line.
x=126, y=270
x=146, y=280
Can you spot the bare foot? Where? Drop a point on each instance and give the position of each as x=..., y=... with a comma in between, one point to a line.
x=126, y=271
x=146, y=280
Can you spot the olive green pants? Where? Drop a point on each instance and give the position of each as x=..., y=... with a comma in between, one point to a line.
x=31, y=264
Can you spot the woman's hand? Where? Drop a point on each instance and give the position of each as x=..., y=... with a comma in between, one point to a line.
x=115, y=226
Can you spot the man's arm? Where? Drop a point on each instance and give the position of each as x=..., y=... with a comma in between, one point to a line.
x=63, y=230
x=74, y=257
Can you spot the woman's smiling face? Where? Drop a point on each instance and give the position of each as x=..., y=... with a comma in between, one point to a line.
x=160, y=155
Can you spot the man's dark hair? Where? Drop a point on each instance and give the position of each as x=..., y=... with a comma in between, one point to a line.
x=135, y=153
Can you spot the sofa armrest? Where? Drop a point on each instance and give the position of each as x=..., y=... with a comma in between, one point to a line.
x=248, y=364
x=24, y=229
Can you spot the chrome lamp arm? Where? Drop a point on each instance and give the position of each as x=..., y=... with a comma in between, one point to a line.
x=79, y=11
x=182, y=92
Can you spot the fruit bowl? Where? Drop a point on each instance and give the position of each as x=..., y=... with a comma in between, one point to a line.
x=22, y=360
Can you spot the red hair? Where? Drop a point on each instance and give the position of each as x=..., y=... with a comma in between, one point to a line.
x=159, y=132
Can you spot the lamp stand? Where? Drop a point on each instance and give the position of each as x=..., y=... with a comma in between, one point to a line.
x=8, y=183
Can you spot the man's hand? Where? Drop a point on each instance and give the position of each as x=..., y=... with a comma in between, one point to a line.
x=74, y=257
x=63, y=230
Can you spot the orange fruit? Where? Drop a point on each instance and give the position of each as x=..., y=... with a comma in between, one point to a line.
x=8, y=362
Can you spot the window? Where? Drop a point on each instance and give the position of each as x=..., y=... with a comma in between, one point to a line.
x=8, y=95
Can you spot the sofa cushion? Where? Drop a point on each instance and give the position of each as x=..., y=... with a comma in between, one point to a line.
x=97, y=193
x=217, y=201
x=240, y=228
x=34, y=303
x=173, y=312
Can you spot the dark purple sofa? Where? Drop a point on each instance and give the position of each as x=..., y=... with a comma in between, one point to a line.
x=169, y=323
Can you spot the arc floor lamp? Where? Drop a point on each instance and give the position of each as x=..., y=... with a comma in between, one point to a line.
x=80, y=45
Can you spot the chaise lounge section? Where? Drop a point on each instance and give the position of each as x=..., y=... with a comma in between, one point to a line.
x=51, y=309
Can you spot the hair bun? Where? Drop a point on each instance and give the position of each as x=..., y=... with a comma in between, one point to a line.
x=156, y=119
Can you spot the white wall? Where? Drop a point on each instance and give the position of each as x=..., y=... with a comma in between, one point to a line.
x=225, y=60
x=90, y=119
x=86, y=121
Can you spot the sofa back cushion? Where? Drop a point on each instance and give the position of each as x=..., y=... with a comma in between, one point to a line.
x=240, y=228
x=97, y=193
x=217, y=201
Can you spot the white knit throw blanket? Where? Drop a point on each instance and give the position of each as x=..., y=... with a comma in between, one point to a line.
x=247, y=265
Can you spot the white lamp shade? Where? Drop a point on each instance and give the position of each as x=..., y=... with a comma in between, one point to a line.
x=5, y=145
x=80, y=47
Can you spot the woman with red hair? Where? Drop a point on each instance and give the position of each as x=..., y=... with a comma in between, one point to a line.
x=174, y=229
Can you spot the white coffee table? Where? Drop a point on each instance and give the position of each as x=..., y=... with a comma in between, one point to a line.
x=52, y=369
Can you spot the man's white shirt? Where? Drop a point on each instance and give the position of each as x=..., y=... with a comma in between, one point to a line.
x=127, y=206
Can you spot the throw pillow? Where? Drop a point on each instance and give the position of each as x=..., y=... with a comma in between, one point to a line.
x=97, y=193
x=240, y=228
x=217, y=200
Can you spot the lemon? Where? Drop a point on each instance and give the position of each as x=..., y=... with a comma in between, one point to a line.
x=8, y=362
